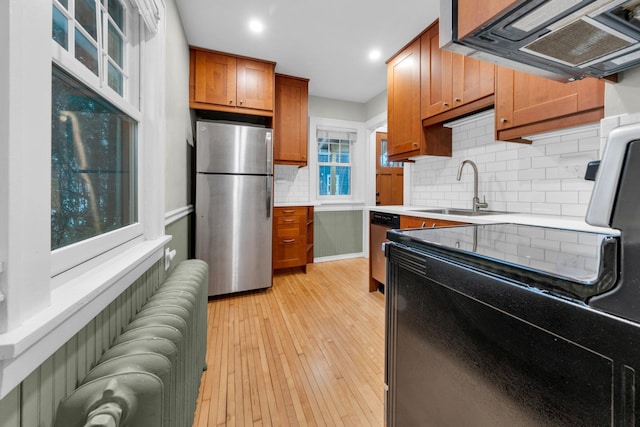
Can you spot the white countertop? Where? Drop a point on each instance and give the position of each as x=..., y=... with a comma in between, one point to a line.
x=292, y=204
x=554, y=221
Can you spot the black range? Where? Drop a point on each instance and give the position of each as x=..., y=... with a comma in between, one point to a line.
x=514, y=325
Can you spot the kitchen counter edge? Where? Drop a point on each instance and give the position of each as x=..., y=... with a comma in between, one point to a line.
x=553, y=221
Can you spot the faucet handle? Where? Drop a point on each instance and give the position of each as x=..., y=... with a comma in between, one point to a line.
x=484, y=203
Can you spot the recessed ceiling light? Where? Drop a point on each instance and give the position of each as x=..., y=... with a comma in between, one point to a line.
x=374, y=54
x=256, y=26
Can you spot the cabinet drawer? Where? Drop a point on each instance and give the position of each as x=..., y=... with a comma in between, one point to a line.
x=290, y=211
x=290, y=230
x=289, y=252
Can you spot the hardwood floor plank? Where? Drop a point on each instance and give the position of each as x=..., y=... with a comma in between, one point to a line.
x=307, y=352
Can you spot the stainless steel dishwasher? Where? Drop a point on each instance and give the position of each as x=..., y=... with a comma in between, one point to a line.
x=380, y=223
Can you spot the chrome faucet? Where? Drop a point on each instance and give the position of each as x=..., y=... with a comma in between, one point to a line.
x=476, y=200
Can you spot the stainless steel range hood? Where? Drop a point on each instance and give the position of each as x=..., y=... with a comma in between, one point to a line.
x=560, y=39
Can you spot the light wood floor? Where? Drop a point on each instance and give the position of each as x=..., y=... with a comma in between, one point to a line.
x=307, y=352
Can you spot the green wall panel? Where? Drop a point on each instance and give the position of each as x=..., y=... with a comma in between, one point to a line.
x=181, y=238
x=337, y=233
x=34, y=402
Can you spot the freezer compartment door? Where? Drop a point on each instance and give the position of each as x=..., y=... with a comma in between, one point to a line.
x=233, y=149
x=233, y=231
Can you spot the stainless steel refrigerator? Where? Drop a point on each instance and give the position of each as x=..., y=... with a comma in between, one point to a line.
x=234, y=185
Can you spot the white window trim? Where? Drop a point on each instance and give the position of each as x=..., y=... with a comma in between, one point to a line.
x=36, y=317
x=358, y=149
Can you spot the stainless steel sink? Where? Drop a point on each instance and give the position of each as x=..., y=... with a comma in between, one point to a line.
x=466, y=212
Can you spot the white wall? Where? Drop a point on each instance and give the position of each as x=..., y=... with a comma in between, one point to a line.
x=545, y=177
x=336, y=109
x=179, y=133
x=624, y=96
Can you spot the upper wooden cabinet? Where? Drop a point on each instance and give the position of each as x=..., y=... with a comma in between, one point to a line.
x=290, y=127
x=229, y=83
x=471, y=14
x=406, y=135
x=452, y=85
x=403, y=103
x=527, y=104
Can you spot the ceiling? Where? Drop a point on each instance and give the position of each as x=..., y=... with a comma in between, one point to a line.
x=326, y=41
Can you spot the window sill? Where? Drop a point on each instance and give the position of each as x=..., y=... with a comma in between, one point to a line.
x=72, y=306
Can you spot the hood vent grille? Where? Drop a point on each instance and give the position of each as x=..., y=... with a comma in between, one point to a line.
x=577, y=43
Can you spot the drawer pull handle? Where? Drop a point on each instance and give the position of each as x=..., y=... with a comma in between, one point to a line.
x=287, y=220
x=288, y=211
x=422, y=225
x=433, y=225
x=289, y=241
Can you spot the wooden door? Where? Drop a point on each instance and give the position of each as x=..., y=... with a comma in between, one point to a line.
x=436, y=74
x=389, y=175
x=403, y=94
x=255, y=84
x=215, y=78
x=290, y=120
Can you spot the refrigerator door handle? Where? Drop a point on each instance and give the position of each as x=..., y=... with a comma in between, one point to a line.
x=269, y=181
x=269, y=146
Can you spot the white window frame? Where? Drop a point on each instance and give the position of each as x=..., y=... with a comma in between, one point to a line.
x=357, y=159
x=38, y=313
x=67, y=262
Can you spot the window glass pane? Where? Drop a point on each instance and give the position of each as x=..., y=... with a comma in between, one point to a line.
x=86, y=52
x=335, y=180
x=344, y=152
x=116, y=12
x=115, y=79
x=384, y=157
x=60, y=28
x=323, y=153
x=64, y=3
x=86, y=16
x=93, y=164
x=115, y=45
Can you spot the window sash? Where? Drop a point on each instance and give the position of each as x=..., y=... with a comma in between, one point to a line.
x=331, y=140
x=76, y=257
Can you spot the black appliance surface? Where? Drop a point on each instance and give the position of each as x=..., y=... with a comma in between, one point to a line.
x=467, y=348
x=568, y=263
x=380, y=223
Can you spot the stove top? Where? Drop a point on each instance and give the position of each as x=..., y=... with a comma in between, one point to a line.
x=576, y=264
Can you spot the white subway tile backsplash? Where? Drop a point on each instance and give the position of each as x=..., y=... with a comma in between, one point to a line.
x=562, y=197
x=544, y=177
x=291, y=184
x=531, y=174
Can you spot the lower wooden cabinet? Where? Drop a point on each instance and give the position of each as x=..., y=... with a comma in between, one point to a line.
x=419, y=222
x=292, y=237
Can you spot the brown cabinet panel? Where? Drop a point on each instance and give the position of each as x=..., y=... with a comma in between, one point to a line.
x=436, y=83
x=255, y=82
x=292, y=237
x=452, y=85
x=472, y=14
x=291, y=120
x=419, y=222
x=228, y=83
x=215, y=78
x=528, y=104
x=403, y=97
